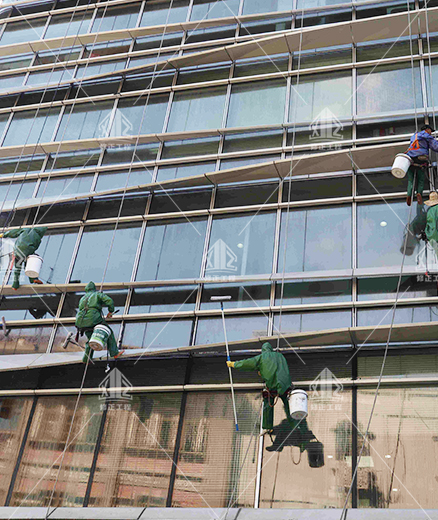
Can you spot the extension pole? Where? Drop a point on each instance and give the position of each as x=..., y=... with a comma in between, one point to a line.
x=221, y=299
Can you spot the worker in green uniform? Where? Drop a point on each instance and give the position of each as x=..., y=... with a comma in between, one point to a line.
x=274, y=370
x=431, y=230
x=90, y=314
x=28, y=241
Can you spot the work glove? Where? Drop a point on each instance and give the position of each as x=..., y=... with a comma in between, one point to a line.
x=230, y=364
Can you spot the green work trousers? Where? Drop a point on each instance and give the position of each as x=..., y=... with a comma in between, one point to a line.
x=419, y=172
x=268, y=414
x=18, y=264
x=111, y=345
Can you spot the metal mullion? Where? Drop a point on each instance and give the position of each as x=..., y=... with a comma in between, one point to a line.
x=49, y=19
x=139, y=249
x=189, y=11
x=96, y=454
x=140, y=16
x=52, y=338
x=21, y=452
x=56, y=128
x=175, y=457
x=6, y=129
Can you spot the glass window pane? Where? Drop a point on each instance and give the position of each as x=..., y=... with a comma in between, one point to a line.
x=190, y=147
x=167, y=173
x=207, y=9
x=309, y=321
x=159, y=12
x=64, y=25
x=39, y=468
x=62, y=187
x=388, y=89
x=253, y=294
x=316, y=487
x=10, y=83
x=15, y=62
x=125, y=154
x=94, y=250
x=322, y=57
x=163, y=299
x=310, y=189
x=157, y=335
x=20, y=32
x=313, y=291
x=85, y=121
x=266, y=6
x=72, y=160
x=414, y=364
x=57, y=55
x=26, y=340
x=63, y=331
x=209, y=443
x=386, y=288
x=402, y=435
x=111, y=181
x=172, y=250
x=14, y=414
x=388, y=49
x=321, y=98
x=403, y=314
x=137, y=472
x=269, y=98
x=132, y=118
x=252, y=141
x=227, y=197
x=180, y=200
x=369, y=183
x=241, y=245
x=114, y=18
x=210, y=330
x=17, y=194
x=31, y=127
x=197, y=110
x=29, y=307
x=318, y=239
x=50, y=77
x=381, y=231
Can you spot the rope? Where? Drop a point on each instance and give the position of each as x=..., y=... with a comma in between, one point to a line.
x=68, y=438
x=290, y=179
x=412, y=67
x=429, y=50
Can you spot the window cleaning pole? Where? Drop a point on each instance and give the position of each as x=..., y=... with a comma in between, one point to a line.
x=221, y=299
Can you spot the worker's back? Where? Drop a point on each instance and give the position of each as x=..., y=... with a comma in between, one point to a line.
x=274, y=369
x=90, y=308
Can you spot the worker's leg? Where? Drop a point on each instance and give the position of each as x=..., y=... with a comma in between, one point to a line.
x=420, y=184
x=88, y=350
x=17, y=272
x=411, y=173
x=112, y=344
x=268, y=413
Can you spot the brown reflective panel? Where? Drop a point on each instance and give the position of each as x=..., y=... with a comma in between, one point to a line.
x=320, y=476
x=398, y=467
x=217, y=465
x=45, y=445
x=135, y=459
x=26, y=340
x=14, y=413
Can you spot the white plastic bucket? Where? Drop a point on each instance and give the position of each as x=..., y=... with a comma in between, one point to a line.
x=99, y=338
x=298, y=405
x=33, y=266
x=401, y=165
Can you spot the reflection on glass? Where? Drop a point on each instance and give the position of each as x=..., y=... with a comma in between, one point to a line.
x=172, y=249
x=32, y=307
x=136, y=472
x=97, y=248
x=207, y=9
x=44, y=447
x=197, y=109
x=322, y=99
x=14, y=414
x=266, y=6
x=269, y=98
x=26, y=340
x=318, y=239
x=388, y=89
x=19, y=32
x=29, y=127
x=17, y=194
x=112, y=181
x=313, y=291
x=68, y=25
x=63, y=187
x=70, y=160
x=381, y=233
x=164, y=12
x=210, y=330
x=398, y=467
x=157, y=335
x=310, y=321
x=383, y=316
x=27, y=163
x=322, y=474
x=167, y=173
x=133, y=116
x=212, y=453
x=241, y=245
x=113, y=18
x=386, y=288
x=85, y=121
x=163, y=299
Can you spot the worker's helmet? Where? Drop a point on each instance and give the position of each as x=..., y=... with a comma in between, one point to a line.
x=427, y=127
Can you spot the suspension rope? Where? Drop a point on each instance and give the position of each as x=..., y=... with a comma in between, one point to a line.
x=286, y=239
x=414, y=88
x=68, y=437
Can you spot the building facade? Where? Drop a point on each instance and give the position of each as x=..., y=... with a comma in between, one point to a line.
x=183, y=149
